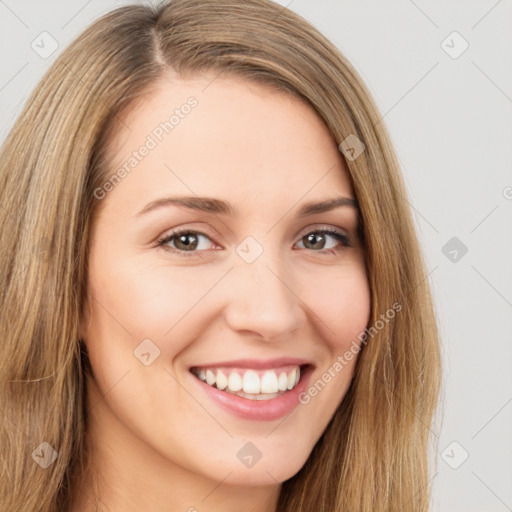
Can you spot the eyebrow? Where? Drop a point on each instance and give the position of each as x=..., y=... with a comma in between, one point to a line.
x=218, y=206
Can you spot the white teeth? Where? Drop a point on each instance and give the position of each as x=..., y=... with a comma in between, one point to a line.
x=251, y=382
x=235, y=382
x=210, y=377
x=291, y=379
x=222, y=380
x=283, y=382
x=269, y=383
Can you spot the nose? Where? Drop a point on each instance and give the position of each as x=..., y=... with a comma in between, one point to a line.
x=263, y=299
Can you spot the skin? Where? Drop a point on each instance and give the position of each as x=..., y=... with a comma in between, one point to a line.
x=157, y=441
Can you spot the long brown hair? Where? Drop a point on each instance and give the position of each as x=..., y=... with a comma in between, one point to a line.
x=373, y=456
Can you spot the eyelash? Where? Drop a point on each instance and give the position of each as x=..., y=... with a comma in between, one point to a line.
x=338, y=235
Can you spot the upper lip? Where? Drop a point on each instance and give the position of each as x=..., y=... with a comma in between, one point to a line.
x=261, y=364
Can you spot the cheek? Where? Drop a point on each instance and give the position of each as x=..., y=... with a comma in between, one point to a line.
x=340, y=302
x=146, y=301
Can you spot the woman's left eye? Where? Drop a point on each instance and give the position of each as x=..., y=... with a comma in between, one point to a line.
x=315, y=240
x=188, y=242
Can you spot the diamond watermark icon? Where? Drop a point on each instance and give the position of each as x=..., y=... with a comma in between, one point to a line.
x=454, y=455
x=44, y=45
x=249, y=455
x=249, y=249
x=454, y=45
x=146, y=352
x=351, y=147
x=44, y=455
x=454, y=249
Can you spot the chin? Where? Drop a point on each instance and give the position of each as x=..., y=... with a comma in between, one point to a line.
x=261, y=474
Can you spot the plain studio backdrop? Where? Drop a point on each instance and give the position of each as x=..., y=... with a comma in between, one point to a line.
x=441, y=76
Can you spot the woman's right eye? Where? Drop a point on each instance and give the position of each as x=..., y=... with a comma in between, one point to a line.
x=185, y=242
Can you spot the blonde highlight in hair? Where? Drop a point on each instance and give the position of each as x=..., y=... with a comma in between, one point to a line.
x=372, y=456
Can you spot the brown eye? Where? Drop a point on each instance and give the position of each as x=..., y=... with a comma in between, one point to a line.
x=317, y=240
x=186, y=241
x=183, y=242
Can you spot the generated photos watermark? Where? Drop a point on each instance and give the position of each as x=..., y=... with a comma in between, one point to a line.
x=343, y=360
x=158, y=133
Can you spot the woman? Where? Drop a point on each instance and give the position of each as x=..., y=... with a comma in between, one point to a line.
x=212, y=293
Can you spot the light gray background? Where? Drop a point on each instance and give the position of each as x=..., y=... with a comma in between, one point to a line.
x=449, y=119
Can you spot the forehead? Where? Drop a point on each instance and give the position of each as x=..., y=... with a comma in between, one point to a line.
x=225, y=137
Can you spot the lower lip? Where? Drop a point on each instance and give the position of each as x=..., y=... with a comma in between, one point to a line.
x=258, y=410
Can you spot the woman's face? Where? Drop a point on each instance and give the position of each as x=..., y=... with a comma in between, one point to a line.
x=248, y=292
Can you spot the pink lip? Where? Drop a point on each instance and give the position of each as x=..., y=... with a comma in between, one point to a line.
x=259, y=410
x=256, y=364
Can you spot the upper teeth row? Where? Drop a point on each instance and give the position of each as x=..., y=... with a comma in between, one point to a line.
x=250, y=382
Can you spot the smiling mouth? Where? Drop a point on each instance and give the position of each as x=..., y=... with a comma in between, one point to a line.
x=250, y=383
